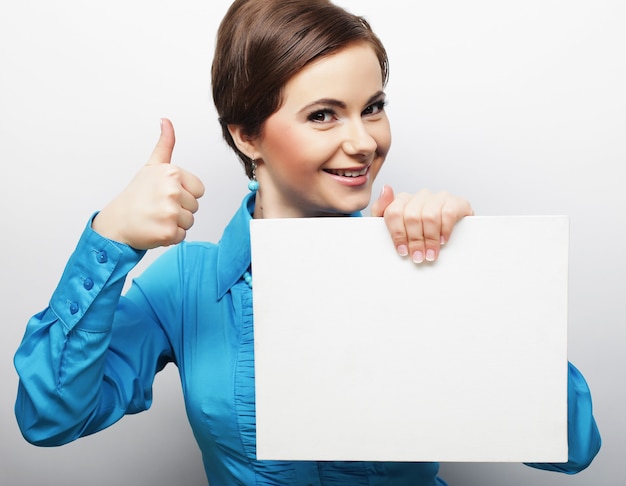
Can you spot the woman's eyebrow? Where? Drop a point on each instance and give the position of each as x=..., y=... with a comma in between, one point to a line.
x=324, y=101
x=375, y=97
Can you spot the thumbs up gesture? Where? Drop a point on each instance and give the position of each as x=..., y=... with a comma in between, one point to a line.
x=157, y=207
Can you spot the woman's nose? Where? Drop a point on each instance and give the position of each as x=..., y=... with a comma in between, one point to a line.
x=358, y=140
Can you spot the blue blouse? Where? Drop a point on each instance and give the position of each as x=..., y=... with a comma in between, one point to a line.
x=92, y=355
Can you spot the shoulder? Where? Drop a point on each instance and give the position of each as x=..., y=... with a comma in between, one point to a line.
x=181, y=261
x=189, y=256
x=196, y=248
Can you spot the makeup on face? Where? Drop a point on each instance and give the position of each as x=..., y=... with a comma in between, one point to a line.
x=320, y=152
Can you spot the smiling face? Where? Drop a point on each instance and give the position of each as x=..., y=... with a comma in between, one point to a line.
x=320, y=152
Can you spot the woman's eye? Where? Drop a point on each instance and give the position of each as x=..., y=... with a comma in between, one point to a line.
x=375, y=108
x=322, y=116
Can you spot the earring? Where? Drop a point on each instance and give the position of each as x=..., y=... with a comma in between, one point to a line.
x=253, y=184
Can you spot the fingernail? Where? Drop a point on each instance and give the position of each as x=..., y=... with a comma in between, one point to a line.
x=403, y=250
x=430, y=255
x=442, y=241
x=418, y=257
x=382, y=193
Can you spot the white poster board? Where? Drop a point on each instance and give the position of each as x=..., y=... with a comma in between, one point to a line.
x=362, y=355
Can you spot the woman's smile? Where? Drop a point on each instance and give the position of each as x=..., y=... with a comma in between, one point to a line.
x=350, y=177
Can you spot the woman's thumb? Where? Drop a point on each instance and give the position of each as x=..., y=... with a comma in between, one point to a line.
x=385, y=199
x=162, y=153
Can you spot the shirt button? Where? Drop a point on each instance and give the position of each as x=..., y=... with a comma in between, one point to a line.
x=73, y=308
x=102, y=256
x=88, y=283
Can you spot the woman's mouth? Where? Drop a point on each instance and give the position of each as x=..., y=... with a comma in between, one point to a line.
x=348, y=172
x=350, y=177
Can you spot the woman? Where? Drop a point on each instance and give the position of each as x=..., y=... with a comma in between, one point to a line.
x=299, y=88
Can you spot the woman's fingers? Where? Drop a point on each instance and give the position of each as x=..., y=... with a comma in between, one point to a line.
x=420, y=223
x=157, y=207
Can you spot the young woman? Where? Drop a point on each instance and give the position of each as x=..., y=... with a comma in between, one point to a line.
x=299, y=88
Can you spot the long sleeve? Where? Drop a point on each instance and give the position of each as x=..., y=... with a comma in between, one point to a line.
x=91, y=356
x=583, y=436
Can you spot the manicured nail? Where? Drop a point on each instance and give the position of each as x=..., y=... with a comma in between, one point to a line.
x=430, y=255
x=403, y=250
x=382, y=192
x=442, y=241
x=418, y=257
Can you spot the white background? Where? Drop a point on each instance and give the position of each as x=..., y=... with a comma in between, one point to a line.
x=518, y=106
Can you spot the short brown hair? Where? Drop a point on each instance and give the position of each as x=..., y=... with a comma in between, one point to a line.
x=261, y=44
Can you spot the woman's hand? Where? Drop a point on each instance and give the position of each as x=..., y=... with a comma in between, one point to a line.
x=420, y=223
x=157, y=207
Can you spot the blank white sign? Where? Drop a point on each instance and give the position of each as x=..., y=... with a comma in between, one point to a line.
x=362, y=355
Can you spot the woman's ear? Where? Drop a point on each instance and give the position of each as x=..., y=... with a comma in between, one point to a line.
x=243, y=141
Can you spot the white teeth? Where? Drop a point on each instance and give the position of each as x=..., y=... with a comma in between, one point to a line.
x=349, y=173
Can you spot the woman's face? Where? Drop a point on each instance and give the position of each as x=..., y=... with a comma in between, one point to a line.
x=320, y=152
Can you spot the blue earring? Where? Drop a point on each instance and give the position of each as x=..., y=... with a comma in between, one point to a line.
x=253, y=184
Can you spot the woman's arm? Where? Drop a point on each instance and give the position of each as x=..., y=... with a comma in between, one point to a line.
x=583, y=436
x=91, y=356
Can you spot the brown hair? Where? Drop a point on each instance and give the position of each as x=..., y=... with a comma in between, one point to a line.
x=261, y=44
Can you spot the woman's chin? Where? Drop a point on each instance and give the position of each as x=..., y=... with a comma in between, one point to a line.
x=353, y=206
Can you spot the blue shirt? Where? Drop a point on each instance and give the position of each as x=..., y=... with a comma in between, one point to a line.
x=92, y=355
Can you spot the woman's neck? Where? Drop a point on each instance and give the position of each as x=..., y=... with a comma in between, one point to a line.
x=264, y=209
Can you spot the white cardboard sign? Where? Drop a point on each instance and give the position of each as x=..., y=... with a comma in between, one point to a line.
x=362, y=355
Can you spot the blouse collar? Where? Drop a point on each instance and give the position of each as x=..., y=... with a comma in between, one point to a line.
x=233, y=257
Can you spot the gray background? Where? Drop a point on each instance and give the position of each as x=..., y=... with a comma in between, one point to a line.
x=518, y=106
